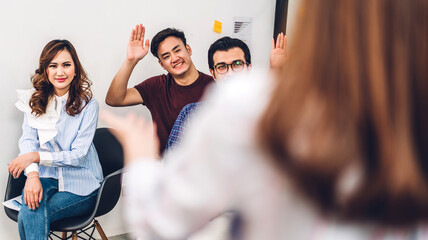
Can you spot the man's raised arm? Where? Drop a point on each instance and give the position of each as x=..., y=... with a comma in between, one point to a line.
x=119, y=94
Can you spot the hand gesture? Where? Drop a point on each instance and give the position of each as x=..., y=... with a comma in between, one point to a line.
x=136, y=47
x=20, y=163
x=137, y=136
x=278, y=53
x=33, y=191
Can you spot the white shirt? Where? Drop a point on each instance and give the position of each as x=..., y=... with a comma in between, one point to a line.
x=220, y=167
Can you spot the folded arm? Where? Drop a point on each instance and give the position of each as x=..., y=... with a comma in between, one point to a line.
x=80, y=146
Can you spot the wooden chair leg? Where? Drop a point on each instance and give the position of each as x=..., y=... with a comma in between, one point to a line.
x=100, y=230
x=74, y=235
x=64, y=235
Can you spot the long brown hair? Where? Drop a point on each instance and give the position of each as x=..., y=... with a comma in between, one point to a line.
x=354, y=94
x=79, y=93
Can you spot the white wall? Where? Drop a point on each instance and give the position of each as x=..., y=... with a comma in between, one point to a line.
x=99, y=30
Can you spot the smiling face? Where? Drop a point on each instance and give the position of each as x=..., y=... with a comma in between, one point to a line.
x=228, y=57
x=61, y=72
x=174, y=56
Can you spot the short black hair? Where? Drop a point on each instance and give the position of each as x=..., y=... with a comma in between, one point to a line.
x=160, y=36
x=224, y=44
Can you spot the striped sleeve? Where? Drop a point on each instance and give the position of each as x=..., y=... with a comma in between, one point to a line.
x=80, y=145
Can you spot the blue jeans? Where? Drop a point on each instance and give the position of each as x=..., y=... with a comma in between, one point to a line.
x=34, y=224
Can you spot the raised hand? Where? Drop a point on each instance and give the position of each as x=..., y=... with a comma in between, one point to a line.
x=278, y=52
x=137, y=49
x=137, y=136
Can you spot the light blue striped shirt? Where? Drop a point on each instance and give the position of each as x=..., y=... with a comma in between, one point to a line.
x=70, y=156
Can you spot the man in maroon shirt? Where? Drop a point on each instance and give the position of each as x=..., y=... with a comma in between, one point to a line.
x=164, y=95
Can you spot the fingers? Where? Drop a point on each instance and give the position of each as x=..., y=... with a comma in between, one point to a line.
x=138, y=32
x=143, y=31
x=12, y=167
x=132, y=37
x=109, y=118
x=285, y=42
x=18, y=173
x=25, y=198
x=125, y=127
x=31, y=200
x=36, y=201
x=280, y=41
x=272, y=47
x=40, y=196
x=117, y=122
x=15, y=172
x=147, y=44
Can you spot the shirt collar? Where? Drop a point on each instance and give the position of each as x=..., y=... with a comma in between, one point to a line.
x=62, y=98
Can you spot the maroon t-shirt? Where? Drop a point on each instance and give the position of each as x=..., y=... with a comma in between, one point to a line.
x=165, y=99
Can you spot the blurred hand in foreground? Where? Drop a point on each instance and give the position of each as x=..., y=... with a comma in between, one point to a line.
x=137, y=136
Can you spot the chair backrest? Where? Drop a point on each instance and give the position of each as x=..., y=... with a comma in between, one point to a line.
x=13, y=188
x=110, y=154
x=109, y=151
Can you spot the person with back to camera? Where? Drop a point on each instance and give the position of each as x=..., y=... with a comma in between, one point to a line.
x=163, y=95
x=334, y=147
x=56, y=150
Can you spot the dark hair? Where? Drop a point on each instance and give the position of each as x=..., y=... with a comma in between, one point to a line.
x=224, y=44
x=355, y=96
x=162, y=35
x=79, y=92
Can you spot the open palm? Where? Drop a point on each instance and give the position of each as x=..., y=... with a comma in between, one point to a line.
x=136, y=47
x=278, y=53
x=138, y=136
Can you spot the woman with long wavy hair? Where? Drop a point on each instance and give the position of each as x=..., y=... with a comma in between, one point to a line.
x=56, y=149
x=335, y=147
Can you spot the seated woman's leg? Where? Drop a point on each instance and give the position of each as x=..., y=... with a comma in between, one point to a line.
x=34, y=224
x=66, y=204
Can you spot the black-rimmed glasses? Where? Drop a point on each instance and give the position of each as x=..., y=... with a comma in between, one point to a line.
x=236, y=66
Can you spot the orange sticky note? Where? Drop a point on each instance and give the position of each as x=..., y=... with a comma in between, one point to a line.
x=217, y=26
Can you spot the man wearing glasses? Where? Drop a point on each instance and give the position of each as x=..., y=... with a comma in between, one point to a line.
x=226, y=56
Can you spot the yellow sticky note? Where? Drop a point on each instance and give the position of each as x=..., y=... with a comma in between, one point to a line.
x=217, y=26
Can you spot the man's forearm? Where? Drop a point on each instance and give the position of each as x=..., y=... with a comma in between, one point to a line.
x=117, y=91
